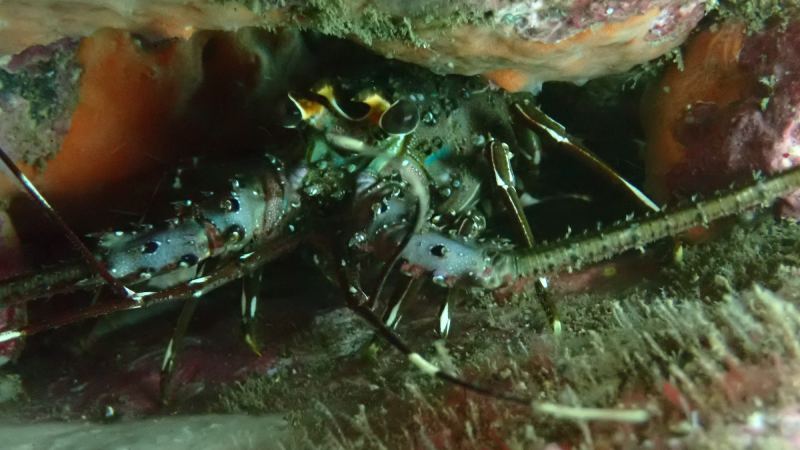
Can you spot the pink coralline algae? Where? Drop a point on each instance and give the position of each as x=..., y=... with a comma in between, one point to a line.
x=758, y=131
x=37, y=96
x=12, y=263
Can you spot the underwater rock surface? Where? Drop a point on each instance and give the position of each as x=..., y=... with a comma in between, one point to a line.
x=519, y=43
x=235, y=432
x=732, y=111
x=714, y=360
x=38, y=93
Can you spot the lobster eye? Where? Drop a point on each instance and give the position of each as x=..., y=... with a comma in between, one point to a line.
x=401, y=118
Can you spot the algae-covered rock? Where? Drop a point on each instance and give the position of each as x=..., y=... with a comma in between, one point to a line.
x=518, y=43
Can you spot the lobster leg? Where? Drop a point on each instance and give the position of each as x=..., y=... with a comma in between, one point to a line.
x=174, y=348
x=408, y=289
x=251, y=295
x=47, y=283
x=357, y=301
x=175, y=344
x=227, y=272
x=499, y=157
x=443, y=326
x=538, y=121
x=414, y=176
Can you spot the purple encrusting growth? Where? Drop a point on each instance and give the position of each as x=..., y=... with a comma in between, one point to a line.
x=551, y=21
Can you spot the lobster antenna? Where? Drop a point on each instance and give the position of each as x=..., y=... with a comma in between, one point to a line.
x=422, y=205
x=589, y=249
x=552, y=409
x=118, y=288
x=196, y=288
x=54, y=280
x=547, y=408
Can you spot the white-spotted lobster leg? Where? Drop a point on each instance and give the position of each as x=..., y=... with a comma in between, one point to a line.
x=116, y=286
x=174, y=348
x=499, y=157
x=251, y=295
x=175, y=344
x=443, y=324
x=357, y=301
x=228, y=271
x=408, y=288
x=538, y=121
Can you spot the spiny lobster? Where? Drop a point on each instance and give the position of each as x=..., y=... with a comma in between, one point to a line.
x=360, y=154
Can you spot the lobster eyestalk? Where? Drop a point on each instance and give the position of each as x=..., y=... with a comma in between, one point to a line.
x=570, y=254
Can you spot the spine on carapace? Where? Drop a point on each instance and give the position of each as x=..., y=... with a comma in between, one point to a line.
x=582, y=250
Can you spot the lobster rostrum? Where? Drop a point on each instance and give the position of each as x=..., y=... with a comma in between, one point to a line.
x=422, y=209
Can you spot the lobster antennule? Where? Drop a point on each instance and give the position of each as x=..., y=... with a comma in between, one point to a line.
x=356, y=297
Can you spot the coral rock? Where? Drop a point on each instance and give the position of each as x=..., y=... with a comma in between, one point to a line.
x=521, y=44
x=517, y=43
x=26, y=24
x=125, y=108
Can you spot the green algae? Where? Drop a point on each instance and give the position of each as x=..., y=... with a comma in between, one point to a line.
x=365, y=24
x=756, y=14
x=334, y=17
x=43, y=96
